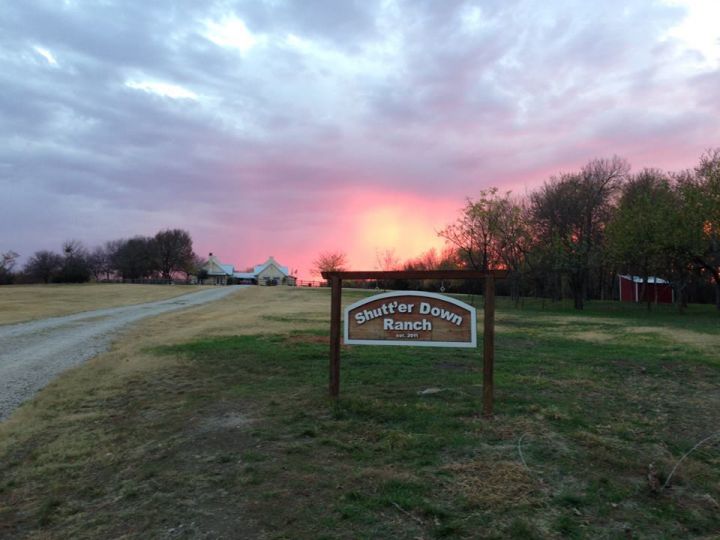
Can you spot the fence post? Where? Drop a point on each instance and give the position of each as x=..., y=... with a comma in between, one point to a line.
x=489, y=346
x=335, y=304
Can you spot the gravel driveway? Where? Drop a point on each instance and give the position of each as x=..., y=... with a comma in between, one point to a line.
x=33, y=353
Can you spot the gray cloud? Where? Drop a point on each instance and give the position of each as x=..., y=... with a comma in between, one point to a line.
x=433, y=98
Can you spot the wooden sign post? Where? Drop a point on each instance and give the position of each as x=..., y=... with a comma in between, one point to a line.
x=412, y=330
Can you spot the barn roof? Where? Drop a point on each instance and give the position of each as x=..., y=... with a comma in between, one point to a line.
x=651, y=279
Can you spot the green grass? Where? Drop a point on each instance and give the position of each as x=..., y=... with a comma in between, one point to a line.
x=240, y=440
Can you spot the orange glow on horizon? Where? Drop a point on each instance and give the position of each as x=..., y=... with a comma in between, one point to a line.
x=409, y=229
x=363, y=225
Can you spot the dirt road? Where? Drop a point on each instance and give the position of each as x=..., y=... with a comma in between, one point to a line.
x=33, y=353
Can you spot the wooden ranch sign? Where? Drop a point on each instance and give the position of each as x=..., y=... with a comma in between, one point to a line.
x=417, y=318
x=411, y=318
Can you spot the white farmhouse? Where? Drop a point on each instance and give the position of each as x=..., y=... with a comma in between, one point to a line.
x=217, y=273
x=272, y=273
x=268, y=273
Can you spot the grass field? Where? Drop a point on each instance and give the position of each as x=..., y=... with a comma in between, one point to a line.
x=19, y=303
x=214, y=423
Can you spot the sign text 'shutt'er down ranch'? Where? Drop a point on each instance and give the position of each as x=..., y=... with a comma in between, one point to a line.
x=411, y=318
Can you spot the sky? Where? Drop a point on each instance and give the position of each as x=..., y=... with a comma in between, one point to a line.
x=290, y=128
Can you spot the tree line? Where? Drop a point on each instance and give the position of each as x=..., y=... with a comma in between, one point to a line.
x=572, y=236
x=166, y=256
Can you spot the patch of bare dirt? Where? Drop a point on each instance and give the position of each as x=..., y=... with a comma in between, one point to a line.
x=230, y=420
x=493, y=484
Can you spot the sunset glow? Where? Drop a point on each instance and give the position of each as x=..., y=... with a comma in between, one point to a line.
x=409, y=230
x=291, y=128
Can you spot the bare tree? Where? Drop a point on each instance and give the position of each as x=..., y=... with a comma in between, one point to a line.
x=100, y=260
x=570, y=214
x=474, y=232
x=512, y=238
x=447, y=259
x=8, y=260
x=76, y=265
x=136, y=258
x=43, y=266
x=387, y=259
x=111, y=248
x=492, y=232
x=174, y=251
x=7, y=265
x=195, y=267
x=329, y=261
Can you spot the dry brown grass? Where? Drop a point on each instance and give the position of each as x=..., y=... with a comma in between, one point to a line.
x=255, y=310
x=110, y=376
x=498, y=484
x=566, y=456
x=20, y=303
x=681, y=336
x=250, y=311
x=609, y=329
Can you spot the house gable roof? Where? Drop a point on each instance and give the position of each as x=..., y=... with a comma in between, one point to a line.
x=271, y=262
x=215, y=268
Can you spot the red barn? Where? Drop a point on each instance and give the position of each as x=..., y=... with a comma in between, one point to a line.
x=657, y=290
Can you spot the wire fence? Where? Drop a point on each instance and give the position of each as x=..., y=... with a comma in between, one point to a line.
x=149, y=281
x=311, y=283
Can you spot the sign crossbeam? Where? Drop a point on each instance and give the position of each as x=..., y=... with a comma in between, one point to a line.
x=335, y=279
x=414, y=274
